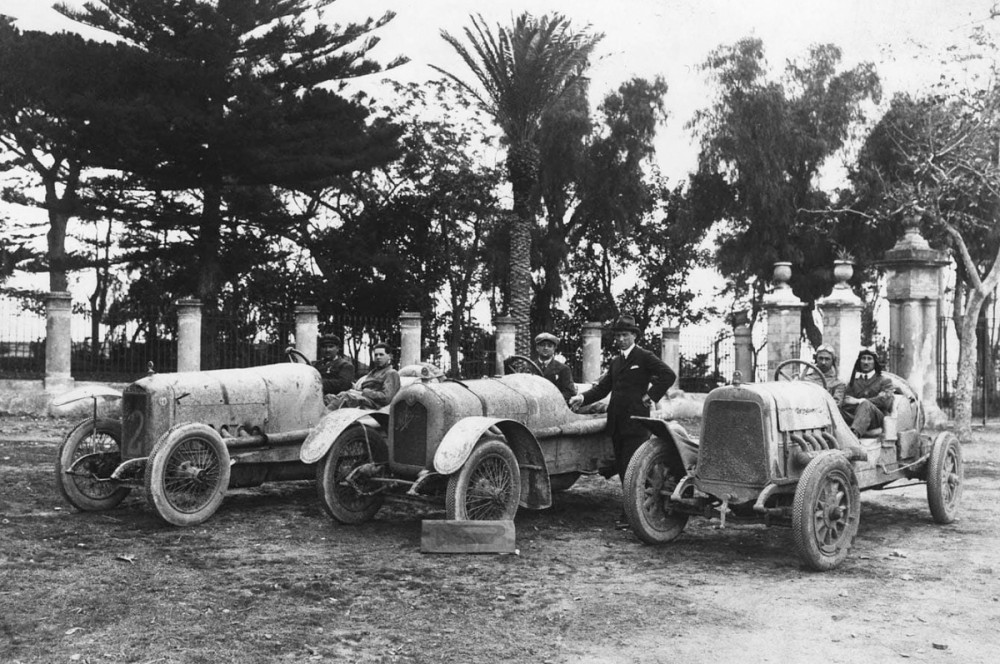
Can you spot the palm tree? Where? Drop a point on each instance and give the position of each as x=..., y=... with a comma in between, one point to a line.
x=523, y=72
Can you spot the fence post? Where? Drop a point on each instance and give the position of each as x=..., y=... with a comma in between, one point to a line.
x=506, y=337
x=841, y=312
x=307, y=330
x=784, y=323
x=58, y=342
x=743, y=349
x=409, y=342
x=670, y=348
x=591, y=352
x=188, y=335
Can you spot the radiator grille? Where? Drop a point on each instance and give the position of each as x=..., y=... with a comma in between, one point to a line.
x=732, y=444
x=409, y=434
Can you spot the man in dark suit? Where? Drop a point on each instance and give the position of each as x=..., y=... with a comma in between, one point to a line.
x=636, y=380
x=336, y=370
x=553, y=369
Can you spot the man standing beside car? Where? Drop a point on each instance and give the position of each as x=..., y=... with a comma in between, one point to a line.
x=636, y=379
x=553, y=369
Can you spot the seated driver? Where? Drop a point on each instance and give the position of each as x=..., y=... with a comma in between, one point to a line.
x=557, y=372
x=375, y=389
x=826, y=361
x=868, y=396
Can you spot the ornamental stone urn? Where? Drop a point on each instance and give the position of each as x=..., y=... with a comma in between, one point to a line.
x=843, y=270
x=782, y=273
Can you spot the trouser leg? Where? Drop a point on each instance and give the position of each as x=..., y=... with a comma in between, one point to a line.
x=625, y=447
x=867, y=416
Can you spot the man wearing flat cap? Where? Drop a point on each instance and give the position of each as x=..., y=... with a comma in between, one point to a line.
x=636, y=379
x=336, y=370
x=553, y=369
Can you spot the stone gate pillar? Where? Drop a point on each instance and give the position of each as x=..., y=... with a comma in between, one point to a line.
x=409, y=344
x=307, y=330
x=913, y=287
x=58, y=342
x=841, y=312
x=591, y=336
x=670, y=348
x=189, y=335
x=506, y=336
x=784, y=320
x=743, y=350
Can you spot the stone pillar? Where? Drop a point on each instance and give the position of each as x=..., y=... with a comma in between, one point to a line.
x=591, y=337
x=670, y=348
x=409, y=344
x=58, y=342
x=784, y=320
x=841, y=312
x=743, y=350
x=913, y=285
x=189, y=335
x=307, y=330
x=506, y=336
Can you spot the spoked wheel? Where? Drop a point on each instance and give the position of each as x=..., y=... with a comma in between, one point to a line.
x=945, y=476
x=798, y=370
x=352, y=499
x=521, y=364
x=487, y=487
x=296, y=356
x=88, y=455
x=187, y=474
x=649, y=481
x=826, y=511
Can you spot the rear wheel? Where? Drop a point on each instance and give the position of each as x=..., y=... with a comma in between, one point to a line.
x=945, y=476
x=187, y=474
x=488, y=485
x=826, y=511
x=88, y=455
x=350, y=503
x=649, y=482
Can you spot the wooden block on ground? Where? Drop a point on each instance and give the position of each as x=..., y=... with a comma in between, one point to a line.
x=467, y=537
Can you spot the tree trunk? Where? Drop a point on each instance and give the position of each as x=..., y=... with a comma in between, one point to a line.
x=966, y=382
x=522, y=167
x=209, y=270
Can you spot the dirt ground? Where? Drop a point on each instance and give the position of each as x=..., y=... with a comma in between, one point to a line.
x=271, y=578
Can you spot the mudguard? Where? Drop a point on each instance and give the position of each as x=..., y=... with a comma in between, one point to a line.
x=87, y=392
x=683, y=451
x=457, y=444
x=326, y=431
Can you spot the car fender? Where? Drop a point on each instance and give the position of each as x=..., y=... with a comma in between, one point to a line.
x=682, y=454
x=328, y=429
x=457, y=444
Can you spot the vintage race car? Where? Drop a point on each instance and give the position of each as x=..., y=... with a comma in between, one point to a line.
x=780, y=453
x=482, y=447
x=185, y=438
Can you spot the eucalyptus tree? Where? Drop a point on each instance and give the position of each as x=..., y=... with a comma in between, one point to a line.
x=767, y=140
x=521, y=72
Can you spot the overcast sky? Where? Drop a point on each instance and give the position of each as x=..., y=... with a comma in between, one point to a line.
x=666, y=37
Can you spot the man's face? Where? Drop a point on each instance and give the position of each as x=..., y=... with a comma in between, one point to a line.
x=545, y=349
x=624, y=339
x=381, y=357
x=824, y=361
x=328, y=351
x=866, y=362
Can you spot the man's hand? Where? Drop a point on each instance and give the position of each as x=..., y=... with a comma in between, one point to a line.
x=647, y=402
x=575, y=401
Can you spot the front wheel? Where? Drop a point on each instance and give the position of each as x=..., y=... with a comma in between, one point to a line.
x=187, y=474
x=945, y=475
x=488, y=485
x=826, y=511
x=351, y=502
x=649, y=482
x=88, y=455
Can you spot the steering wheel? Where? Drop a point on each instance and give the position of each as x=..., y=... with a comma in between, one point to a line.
x=521, y=364
x=295, y=356
x=805, y=369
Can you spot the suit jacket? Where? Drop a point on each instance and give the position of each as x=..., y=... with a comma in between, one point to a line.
x=561, y=377
x=337, y=374
x=627, y=380
x=878, y=389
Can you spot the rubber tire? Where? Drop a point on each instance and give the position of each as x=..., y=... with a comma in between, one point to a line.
x=347, y=453
x=823, y=543
x=495, y=459
x=945, y=477
x=647, y=479
x=165, y=489
x=75, y=489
